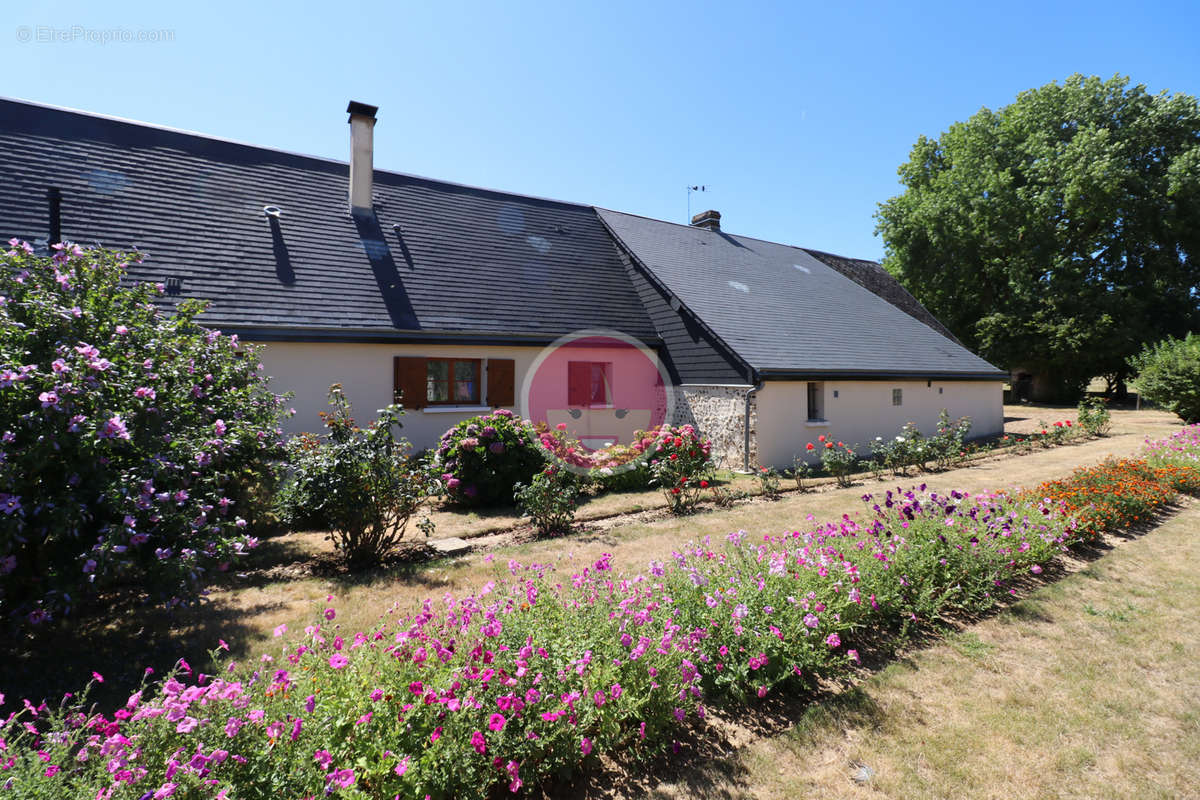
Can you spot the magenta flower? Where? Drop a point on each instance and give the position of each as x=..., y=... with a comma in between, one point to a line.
x=280, y=630
x=114, y=428
x=337, y=661
x=323, y=758
x=343, y=778
x=478, y=742
x=496, y=722
x=330, y=614
x=833, y=640
x=585, y=744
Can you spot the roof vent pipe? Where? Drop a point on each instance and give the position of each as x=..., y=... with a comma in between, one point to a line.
x=709, y=220
x=362, y=154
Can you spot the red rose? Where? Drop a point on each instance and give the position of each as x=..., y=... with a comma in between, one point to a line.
x=703, y=484
x=829, y=445
x=821, y=438
x=809, y=445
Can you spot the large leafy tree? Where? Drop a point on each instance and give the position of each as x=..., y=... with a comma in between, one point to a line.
x=1060, y=232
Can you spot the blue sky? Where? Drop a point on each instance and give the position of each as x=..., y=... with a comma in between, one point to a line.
x=796, y=114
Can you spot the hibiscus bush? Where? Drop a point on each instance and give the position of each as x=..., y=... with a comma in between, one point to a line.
x=483, y=458
x=359, y=483
x=134, y=444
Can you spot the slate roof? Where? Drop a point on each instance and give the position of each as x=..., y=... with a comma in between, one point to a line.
x=439, y=261
x=785, y=312
x=463, y=260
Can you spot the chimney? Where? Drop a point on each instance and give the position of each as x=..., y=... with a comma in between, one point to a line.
x=362, y=150
x=709, y=220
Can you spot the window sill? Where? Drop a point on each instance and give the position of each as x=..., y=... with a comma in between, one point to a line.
x=816, y=423
x=455, y=409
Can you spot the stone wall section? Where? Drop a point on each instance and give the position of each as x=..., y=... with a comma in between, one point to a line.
x=719, y=413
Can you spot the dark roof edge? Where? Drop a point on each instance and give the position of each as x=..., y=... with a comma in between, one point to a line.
x=281, y=151
x=265, y=333
x=860, y=375
x=662, y=287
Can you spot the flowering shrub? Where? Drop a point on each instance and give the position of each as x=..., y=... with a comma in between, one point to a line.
x=947, y=446
x=801, y=471
x=1093, y=416
x=483, y=458
x=360, y=484
x=539, y=673
x=550, y=499
x=679, y=465
x=132, y=443
x=615, y=467
x=768, y=483
x=837, y=458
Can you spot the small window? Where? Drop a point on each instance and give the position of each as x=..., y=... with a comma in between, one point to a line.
x=897, y=397
x=589, y=383
x=816, y=406
x=452, y=381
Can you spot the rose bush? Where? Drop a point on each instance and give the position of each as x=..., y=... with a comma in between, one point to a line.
x=134, y=444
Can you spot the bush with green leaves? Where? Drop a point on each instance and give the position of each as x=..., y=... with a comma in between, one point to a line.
x=839, y=460
x=1094, y=416
x=358, y=483
x=1168, y=375
x=483, y=458
x=947, y=446
x=550, y=499
x=680, y=465
x=768, y=483
x=134, y=444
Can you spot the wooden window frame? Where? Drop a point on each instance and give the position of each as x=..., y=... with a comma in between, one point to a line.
x=477, y=367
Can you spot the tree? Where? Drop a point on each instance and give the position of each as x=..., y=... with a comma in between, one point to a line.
x=1061, y=232
x=1168, y=375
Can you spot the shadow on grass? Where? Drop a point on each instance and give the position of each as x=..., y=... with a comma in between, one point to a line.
x=62, y=657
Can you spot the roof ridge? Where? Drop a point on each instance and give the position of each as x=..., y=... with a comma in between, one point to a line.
x=323, y=159
x=734, y=235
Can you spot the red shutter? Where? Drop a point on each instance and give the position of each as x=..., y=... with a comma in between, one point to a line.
x=579, y=383
x=501, y=380
x=408, y=381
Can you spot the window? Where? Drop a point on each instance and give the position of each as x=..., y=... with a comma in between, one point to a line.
x=589, y=383
x=452, y=381
x=816, y=396
x=418, y=381
x=897, y=397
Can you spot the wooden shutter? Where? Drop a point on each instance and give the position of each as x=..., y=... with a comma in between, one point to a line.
x=501, y=380
x=408, y=381
x=579, y=383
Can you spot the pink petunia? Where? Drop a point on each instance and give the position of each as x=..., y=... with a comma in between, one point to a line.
x=496, y=722
x=337, y=661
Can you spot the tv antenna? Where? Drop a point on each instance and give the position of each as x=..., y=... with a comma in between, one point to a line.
x=690, y=189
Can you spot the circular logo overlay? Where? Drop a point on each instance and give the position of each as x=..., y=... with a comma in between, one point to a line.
x=589, y=396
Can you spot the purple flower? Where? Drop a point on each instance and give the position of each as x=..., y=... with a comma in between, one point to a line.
x=10, y=503
x=49, y=400
x=337, y=661
x=833, y=640
x=114, y=428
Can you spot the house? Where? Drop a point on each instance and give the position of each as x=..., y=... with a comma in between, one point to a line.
x=453, y=295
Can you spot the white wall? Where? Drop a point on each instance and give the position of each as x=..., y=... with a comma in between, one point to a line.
x=365, y=371
x=863, y=410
